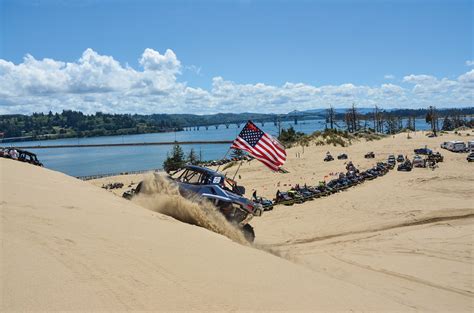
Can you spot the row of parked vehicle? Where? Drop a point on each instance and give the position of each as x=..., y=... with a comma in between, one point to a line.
x=431, y=159
x=112, y=186
x=343, y=156
x=352, y=177
x=300, y=194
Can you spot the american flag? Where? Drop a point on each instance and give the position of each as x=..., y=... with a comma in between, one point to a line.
x=261, y=146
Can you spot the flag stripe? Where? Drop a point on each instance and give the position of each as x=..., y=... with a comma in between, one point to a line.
x=269, y=155
x=270, y=150
x=275, y=147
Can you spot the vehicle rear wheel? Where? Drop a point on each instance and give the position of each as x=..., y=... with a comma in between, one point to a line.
x=248, y=233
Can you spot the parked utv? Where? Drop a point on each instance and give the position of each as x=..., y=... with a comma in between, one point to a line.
x=435, y=157
x=470, y=157
x=406, y=166
x=283, y=198
x=423, y=151
x=328, y=158
x=369, y=155
x=342, y=156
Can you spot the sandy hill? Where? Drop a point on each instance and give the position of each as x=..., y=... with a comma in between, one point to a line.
x=68, y=245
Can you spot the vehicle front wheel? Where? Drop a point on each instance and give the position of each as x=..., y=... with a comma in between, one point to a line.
x=249, y=233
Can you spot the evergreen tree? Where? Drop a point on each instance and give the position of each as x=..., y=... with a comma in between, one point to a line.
x=448, y=124
x=174, y=161
x=289, y=135
x=193, y=157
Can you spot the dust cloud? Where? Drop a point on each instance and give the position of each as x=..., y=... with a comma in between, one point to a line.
x=159, y=195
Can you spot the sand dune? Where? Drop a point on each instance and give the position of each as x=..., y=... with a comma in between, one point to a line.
x=402, y=243
x=67, y=245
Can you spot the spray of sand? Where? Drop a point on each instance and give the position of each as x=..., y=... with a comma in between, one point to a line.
x=159, y=195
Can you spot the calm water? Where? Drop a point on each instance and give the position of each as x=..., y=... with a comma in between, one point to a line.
x=103, y=160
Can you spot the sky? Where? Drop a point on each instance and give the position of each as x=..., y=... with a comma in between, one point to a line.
x=203, y=57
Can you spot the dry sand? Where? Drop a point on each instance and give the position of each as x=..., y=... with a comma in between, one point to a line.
x=402, y=242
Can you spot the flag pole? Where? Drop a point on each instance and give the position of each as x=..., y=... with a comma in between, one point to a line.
x=223, y=159
x=233, y=178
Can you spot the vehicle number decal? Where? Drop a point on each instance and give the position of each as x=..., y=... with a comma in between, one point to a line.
x=216, y=180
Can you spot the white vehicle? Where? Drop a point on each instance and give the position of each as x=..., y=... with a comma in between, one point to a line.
x=444, y=145
x=470, y=145
x=456, y=146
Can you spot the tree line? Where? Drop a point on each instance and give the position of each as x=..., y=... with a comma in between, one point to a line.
x=70, y=123
x=77, y=124
x=392, y=122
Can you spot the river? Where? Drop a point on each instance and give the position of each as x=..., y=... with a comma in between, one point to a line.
x=105, y=160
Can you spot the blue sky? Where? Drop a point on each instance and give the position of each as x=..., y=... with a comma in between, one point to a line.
x=246, y=51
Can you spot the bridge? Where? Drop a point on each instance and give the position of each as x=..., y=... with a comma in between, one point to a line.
x=275, y=120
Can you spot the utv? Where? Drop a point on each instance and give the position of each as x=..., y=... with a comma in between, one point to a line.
x=328, y=158
x=224, y=193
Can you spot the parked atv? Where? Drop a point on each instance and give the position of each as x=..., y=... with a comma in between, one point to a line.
x=369, y=155
x=283, y=198
x=266, y=204
x=323, y=189
x=328, y=158
x=342, y=156
x=470, y=157
x=295, y=195
x=304, y=192
x=224, y=193
x=435, y=157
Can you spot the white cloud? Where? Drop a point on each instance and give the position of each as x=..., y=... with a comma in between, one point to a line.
x=391, y=89
x=467, y=78
x=389, y=76
x=470, y=62
x=97, y=82
x=167, y=63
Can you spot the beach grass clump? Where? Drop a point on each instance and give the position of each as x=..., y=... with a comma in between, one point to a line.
x=336, y=141
x=369, y=135
x=329, y=137
x=341, y=138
